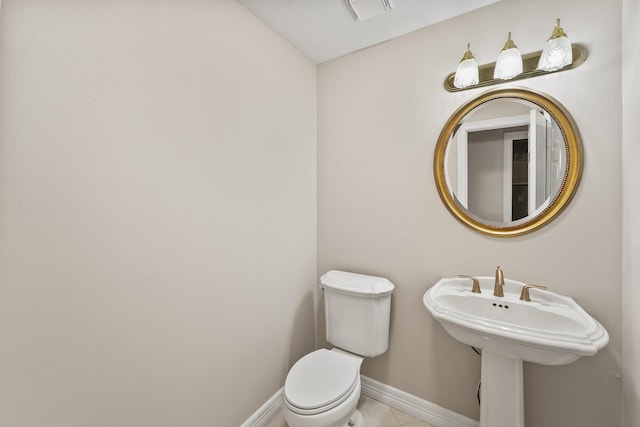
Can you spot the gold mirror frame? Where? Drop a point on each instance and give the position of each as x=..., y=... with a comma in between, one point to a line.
x=573, y=151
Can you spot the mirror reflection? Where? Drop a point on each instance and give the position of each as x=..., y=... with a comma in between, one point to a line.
x=504, y=160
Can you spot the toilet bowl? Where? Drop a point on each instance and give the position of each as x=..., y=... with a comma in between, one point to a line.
x=322, y=390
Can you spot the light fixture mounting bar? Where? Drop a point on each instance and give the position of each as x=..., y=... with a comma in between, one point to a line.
x=529, y=64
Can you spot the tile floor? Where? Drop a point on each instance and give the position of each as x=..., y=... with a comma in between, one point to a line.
x=375, y=414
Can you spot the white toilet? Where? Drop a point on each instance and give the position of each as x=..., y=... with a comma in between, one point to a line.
x=323, y=388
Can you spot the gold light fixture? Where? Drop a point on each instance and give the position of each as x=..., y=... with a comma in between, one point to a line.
x=558, y=55
x=557, y=52
x=467, y=72
x=509, y=63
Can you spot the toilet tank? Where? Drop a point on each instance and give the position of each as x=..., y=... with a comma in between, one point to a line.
x=357, y=311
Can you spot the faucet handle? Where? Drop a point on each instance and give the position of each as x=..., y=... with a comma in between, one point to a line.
x=476, y=283
x=524, y=295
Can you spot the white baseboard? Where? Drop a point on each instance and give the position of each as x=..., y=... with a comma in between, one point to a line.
x=266, y=413
x=414, y=406
x=397, y=399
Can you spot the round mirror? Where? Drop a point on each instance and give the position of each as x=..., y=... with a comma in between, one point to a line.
x=508, y=162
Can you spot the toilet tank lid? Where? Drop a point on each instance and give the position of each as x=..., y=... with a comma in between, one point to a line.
x=354, y=283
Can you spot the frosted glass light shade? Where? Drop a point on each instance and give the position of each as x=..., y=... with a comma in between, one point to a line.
x=508, y=65
x=557, y=53
x=466, y=74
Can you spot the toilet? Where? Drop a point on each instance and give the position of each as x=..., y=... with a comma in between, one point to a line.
x=323, y=388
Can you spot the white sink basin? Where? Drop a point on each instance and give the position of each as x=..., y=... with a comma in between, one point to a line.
x=551, y=329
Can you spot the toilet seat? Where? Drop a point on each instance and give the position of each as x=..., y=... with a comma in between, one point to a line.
x=320, y=381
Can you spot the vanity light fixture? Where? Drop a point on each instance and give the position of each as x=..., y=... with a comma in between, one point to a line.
x=509, y=63
x=559, y=54
x=467, y=72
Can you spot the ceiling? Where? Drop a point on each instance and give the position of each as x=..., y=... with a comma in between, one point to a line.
x=327, y=29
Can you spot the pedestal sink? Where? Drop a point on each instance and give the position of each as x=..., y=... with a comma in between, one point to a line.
x=551, y=329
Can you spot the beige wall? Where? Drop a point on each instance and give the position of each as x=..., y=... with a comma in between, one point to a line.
x=631, y=212
x=379, y=113
x=157, y=212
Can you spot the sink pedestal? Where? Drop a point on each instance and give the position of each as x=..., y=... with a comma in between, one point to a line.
x=501, y=391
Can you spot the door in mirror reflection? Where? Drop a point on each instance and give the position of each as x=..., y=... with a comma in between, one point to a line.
x=506, y=169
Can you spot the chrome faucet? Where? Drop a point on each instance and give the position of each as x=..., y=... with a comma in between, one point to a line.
x=498, y=289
